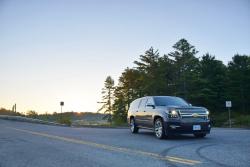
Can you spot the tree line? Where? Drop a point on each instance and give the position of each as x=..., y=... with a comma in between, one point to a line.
x=203, y=81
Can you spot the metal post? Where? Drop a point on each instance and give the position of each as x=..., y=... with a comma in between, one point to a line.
x=229, y=105
x=229, y=114
x=61, y=104
x=14, y=108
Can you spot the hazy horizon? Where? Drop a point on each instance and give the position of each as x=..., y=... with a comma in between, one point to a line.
x=60, y=50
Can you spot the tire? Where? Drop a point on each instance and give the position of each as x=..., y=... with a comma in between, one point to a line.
x=133, y=127
x=159, y=129
x=200, y=135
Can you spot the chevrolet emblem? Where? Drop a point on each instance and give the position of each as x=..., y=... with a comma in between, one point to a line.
x=195, y=115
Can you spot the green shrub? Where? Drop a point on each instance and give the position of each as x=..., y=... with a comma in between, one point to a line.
x=32, y=114
x=219, y=119
x=120, y=122
x=64, y=120
x=243, y=120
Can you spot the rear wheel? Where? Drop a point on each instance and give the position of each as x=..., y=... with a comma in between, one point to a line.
x=200, y=135
x=159, y=128
x=133, y=127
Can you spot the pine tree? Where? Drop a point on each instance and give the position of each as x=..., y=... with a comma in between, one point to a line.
x=148, y=66
x=107, y=98
x=239, y=79
x=212, y=83
x=186, y=65
x=128, y=89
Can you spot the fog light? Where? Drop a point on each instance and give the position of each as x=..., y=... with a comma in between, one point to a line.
x=174, y=126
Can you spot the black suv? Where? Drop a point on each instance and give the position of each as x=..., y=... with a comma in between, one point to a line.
x=168, y=115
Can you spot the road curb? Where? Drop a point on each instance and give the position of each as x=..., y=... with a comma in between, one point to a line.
x=226, y=128
x=38, y=121
x=97, y=126
x=30, y=120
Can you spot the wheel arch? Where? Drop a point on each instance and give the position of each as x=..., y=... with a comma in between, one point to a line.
x=156, y=117
x=131, y=117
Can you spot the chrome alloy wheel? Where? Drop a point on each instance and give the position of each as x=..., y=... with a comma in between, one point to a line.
x=132, y=125
x=158, y=128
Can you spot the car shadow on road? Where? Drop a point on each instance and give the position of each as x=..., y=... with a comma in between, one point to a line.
x=172, y=137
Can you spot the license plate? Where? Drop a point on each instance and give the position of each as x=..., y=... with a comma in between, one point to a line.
x=196, y=127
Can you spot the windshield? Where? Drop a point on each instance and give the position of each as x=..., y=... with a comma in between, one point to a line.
x=169, y=101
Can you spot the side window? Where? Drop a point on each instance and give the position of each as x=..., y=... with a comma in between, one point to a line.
x=150, y=101
x=142, y=103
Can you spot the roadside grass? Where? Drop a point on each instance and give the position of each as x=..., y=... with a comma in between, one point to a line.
x=83, y=122
x=4, y=111
x=239, y=120
x=98, y=123
x=242, y=121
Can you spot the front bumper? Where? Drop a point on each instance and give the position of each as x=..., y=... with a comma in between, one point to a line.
x=180, y=127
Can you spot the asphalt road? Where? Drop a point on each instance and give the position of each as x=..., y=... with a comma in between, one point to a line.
x=34, y=145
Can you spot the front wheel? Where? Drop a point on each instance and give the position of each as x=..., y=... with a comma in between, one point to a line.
x=133, y=127
x=159, y=129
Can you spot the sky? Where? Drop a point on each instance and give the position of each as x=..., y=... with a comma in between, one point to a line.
x=62, y=50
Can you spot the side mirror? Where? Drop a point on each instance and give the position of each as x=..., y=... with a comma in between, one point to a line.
x=151, y=105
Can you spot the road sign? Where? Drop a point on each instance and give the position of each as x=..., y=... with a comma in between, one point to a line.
x=228, y=104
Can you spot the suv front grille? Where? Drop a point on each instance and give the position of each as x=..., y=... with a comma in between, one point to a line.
x=192, y=114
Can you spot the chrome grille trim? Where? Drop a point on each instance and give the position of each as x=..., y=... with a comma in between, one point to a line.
x=192, y=113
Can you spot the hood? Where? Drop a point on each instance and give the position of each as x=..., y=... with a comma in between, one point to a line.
x=186, y=108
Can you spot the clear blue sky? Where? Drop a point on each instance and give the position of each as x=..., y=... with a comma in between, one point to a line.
x=52, y=50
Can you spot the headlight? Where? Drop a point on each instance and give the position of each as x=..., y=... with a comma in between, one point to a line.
x=207, y=112
x=173, y=114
